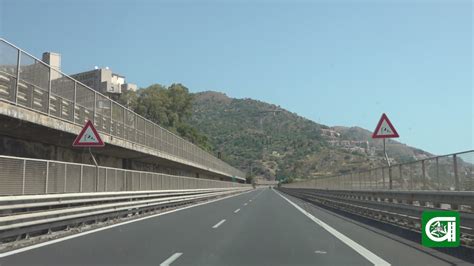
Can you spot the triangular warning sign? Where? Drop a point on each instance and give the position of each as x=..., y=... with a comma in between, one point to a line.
x=88, y=137
x=385, y=129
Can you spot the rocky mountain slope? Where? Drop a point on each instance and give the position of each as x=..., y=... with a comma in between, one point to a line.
x=274, y=142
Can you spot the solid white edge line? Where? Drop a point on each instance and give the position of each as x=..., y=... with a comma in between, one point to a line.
x=219, y=224
x=236, y=211
x=170, y=260
x=16, y=251
x=376, y=260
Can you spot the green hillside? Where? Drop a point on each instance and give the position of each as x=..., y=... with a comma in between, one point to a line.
x=274, y=142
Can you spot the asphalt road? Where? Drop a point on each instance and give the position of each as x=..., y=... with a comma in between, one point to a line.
x=255, y=228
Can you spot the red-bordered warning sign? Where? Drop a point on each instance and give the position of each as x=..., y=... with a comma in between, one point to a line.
x=385, y=129
x=88, y=137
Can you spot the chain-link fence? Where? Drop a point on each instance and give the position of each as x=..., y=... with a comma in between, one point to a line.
x=453, y=172
x=30, y=83
x=22, y=176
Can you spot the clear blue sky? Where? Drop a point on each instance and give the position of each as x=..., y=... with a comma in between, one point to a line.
x=336, y=62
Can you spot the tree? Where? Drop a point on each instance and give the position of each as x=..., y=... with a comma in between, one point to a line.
x=181, y=103
x=249, y=179
x=192, y=134
x=168, y=107
x=153, y=103
x=129, y=99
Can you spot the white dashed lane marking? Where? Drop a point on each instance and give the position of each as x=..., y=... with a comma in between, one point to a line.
x=170, y=260
x=219, y=224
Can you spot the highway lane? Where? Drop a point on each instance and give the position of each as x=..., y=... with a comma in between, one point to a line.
x=255, y=228
x=269, y=231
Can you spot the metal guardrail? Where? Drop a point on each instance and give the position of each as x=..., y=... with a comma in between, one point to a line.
x=39, y=214
x=28, y=82
x=452, y=172
x=403, y=209
x=22, y=176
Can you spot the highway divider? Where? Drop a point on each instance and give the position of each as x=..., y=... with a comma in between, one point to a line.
x=25, y=216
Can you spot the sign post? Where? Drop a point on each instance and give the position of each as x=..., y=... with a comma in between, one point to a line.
x=87, y=138
x=384, y=130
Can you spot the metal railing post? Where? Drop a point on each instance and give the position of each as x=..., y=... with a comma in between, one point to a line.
x=94, y=111
x=389, y=174
x=110, y=118
x=360, y=181
x=65, y=178
x=135, y=125
x=383, y=178
x=97, y=178
x=49, y=92
x=125, y=180
x=437, y=174
x=47, y=178
x=375, y=180
x=390, y=181
x=124, y=129
x=105, y=185
x=423, y=173
x=125, y=185
x=24, y=178
x=18, y=59
x=400, y=175
x=80, y=180
x=456, y=176
x=140, y=181
x=352, y=181
x=74, y=103
x=153, y=139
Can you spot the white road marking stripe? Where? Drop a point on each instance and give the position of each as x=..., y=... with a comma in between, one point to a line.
x=219, y=223
x=16, y=251
x=376, y=260
x=245, y=204
x=236, y=211
x=250, y=200
x=170, y=260
x=256, y=196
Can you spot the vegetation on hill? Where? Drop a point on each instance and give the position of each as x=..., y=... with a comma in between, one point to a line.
x=275, y=143
x=401, y=152
x=168, y=107
x=260, y=138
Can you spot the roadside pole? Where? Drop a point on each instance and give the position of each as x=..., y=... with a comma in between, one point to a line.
x=89, y=138
x=384, y=130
